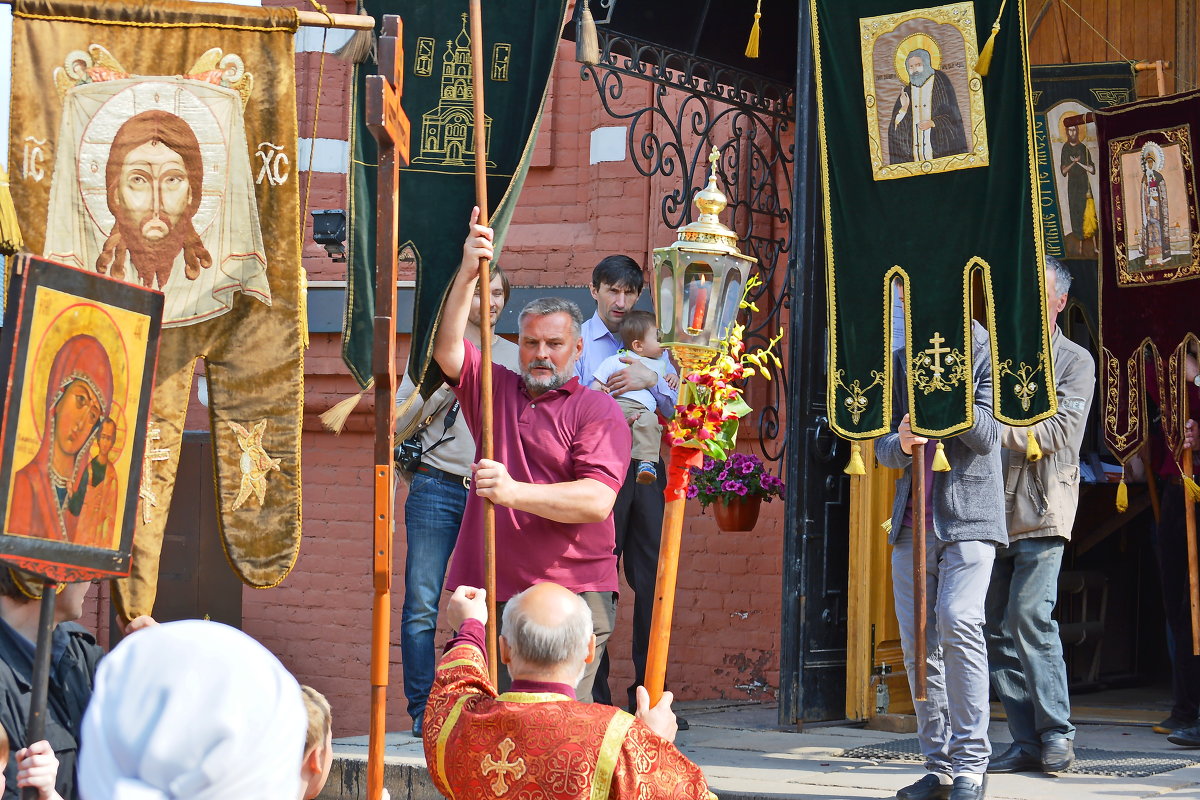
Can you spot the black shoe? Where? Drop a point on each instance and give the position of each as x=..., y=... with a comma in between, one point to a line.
x=418, y=727
x=967, y=789
x=681, y=723
x=1059, y=754
x=1172, y=724
x=928, y=788
x=1186, y=737
x=1015, y=760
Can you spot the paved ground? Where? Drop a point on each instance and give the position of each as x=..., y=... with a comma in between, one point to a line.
x=746, y=757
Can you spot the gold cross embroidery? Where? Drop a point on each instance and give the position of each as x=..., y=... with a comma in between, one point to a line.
x=937, y=351
x=503, y=768
x=145, y=494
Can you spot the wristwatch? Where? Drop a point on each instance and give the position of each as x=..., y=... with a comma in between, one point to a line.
x=1196, y=380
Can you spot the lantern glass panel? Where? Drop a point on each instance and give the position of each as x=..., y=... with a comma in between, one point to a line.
x=730, y=303
x=697, y=294
x=664, y=268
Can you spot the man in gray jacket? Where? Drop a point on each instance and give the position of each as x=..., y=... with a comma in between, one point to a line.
x=964, y=523
x=1025, y=655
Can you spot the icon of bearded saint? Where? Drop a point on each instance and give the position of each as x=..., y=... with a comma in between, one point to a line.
x=154, y=178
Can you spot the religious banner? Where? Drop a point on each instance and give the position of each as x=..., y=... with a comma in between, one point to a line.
x=1149, y=260
x=520, y=43
x=153, y=143
x=77, y=356
x=928, y=181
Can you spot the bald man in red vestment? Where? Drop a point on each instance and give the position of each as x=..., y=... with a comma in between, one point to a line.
x=537, y=738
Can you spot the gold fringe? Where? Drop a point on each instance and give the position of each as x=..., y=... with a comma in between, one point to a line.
x=886, y=525
x=587, y=43
x=1191, y=488
x=1033, y=451
x=755, y=29
x=1091, y=225
x=335, y=418
x=940, y=464
x=984, y=62
x=304, y=307
x=1122, y=495
x=856, y=465
x=10, y=229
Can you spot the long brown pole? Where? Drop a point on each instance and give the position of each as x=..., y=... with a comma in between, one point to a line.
x=918, y=554
x=1189, y=515
x=485, y=328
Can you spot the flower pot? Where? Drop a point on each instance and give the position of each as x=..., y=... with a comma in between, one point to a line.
x=737, y=514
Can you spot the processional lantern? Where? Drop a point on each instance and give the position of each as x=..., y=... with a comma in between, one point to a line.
x=699, y=279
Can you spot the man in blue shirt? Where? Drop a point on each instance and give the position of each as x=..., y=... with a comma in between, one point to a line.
x=617, y=283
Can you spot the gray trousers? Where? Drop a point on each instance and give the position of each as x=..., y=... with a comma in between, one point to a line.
x=952, y=721
x=603, y=606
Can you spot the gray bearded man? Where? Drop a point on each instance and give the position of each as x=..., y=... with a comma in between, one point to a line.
x=926, y=121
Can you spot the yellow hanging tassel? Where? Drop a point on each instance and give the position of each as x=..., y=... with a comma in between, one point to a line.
x=587, y=42
x=1033, y=451
x=755, y=29
x=10, y=230
x=886, y=525
x=1191, y=488
x=335, y=418
x=1091, y=225
x=984, y=62
x=855, y=466
x=304, y=307
x=1122, y=495
x=940, y=464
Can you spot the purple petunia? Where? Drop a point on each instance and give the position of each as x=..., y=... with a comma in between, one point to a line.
x=692, y=490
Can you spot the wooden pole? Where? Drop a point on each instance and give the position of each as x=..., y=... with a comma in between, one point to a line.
x=389, y=126
x=678, y=477
x=317, y=19
x=35, y=727
x=1189, y=512
x=918, y=554
x=485, y=330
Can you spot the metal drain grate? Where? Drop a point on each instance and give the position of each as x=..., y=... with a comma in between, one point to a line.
x=1087, y=760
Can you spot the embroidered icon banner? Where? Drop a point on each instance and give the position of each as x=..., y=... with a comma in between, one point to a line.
x=1149, y=262
x=154, y=143
x=437, y=188
x=950, y=195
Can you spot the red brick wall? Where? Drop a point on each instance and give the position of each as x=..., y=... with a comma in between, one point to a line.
x=571, y=214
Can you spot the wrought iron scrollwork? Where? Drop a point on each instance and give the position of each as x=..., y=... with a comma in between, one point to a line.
x=697, y=104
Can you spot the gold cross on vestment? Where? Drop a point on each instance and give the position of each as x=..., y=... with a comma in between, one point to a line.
x=145, y=494
x=503, y=768
x=937, y=351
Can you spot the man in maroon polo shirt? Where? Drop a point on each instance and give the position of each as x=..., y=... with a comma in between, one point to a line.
x=561, y=454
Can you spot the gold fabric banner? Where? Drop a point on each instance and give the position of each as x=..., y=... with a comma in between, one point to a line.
x=156, y=143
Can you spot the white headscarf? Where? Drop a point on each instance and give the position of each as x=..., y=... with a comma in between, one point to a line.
x=194, y=710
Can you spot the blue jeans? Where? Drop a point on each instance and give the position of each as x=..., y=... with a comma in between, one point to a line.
x=1025, y=655
x=432, y=514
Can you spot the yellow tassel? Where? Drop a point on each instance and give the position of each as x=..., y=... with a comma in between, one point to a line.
x=886, y=525
x=10, y=230
x=1032, y=450
x=940, y=464
x=1191, y=488
x=304, y=307
x=587, y=43
x=755, y=30
x=1122, y=496
x=984, y=63
x=335, y=418
x=357, y=48
x=1091, y=225
x=856, y=465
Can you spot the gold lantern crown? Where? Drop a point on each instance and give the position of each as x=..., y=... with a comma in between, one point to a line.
x=707, y=232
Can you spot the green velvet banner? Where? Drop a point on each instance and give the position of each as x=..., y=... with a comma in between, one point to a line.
x=928, y=180
x=437, y=188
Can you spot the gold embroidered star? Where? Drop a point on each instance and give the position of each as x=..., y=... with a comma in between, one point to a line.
x=255, y=463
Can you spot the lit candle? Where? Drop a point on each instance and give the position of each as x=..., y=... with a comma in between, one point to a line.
x=699, y=303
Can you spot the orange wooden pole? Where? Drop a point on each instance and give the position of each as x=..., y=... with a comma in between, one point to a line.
x=1189, y=510
x=485, y=329
x=919, y=619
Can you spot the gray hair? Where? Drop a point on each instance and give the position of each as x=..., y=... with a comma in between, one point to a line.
x=1062, y=275
x=546, y=646
x=553, y=305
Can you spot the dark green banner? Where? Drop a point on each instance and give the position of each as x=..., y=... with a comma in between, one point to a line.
x=928, y=180
x=437, y=188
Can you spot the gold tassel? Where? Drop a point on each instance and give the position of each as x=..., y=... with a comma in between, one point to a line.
x=886, y=525
x=940, y=464
x=855, y=465
x=1191, y=488
x=304, y=307
x=1091, y=225
x=1032, y=450
x=10, y=229
x=1122, y=495
x=357, y=48
x=335, y=418
x=984, y=62
x=755, y=30
x=587, y=43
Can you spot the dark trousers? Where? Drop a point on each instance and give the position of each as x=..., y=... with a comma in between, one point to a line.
x=637, y=516
x=1173, y=572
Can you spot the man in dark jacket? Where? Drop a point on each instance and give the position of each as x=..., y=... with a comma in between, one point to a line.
x=72, y=670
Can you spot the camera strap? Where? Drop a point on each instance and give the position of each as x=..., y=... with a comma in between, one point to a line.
x=447, y=424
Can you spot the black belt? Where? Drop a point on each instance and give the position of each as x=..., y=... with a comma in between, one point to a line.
x=442, y=475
